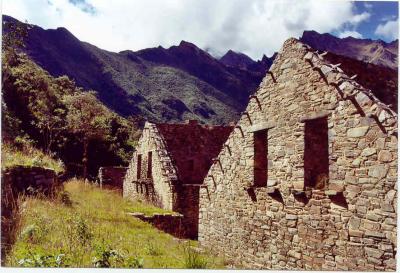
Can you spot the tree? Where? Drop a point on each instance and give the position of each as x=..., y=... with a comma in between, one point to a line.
x=87, y=118
x=32, y=88
x=13, y=41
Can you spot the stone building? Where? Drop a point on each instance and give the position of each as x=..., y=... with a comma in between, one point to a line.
x=112, y=177
x=170, y=164
x=307, y=178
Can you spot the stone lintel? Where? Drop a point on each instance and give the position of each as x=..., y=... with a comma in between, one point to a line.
x=331, y=192
x=271, y=189
x=261, y=126
x=315, y=115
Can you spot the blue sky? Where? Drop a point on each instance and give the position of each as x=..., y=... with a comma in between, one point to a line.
x=254, y=27
x=380, y=13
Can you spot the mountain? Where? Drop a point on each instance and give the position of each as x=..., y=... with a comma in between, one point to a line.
x=370, y=51
x=381, y=80
x=174, y=84
x=242, y=61
x=235, y=59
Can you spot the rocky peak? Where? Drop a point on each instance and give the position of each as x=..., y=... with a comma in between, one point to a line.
x=371, y=51
x=236, y=59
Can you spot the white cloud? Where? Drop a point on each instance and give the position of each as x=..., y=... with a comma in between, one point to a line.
x=350, y=33
x=389, y=30
x=368, y=6
x=358, y=18
x=254, y=27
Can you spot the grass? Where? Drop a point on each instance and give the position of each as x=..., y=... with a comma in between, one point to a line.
x=143, y=207
x=28, y=156
x=88, y=227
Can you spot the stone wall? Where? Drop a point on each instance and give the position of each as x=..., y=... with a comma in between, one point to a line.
x=27, y=180
x=192, y=148
x=167, y=222
x=112, y=177
x=181, y=155
x=187, y=204
x=21, y=180
x=156, y=189
x=333, y=210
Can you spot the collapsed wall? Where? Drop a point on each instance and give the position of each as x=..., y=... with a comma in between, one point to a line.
x=307, y=179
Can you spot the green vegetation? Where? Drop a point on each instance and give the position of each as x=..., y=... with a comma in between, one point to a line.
x=146, y=208
x=28, y=156
x=87, y=118
x=42, y=110
x=88, y=227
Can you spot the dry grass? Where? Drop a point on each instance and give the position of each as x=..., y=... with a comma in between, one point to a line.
x=28, y=156
x=94, y=230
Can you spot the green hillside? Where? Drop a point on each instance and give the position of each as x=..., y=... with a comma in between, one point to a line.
x=88, y=227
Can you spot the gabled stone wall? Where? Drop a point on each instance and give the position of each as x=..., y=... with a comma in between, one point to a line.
x=181, y=155
x=346, y=218
x=156, y=189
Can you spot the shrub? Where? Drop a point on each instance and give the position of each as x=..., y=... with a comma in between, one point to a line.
x=64, y=198
x=35, y=232
x=43, y=260
x=134, y=262
x=153, y=249
x=193, y=259
x=82, y=230
x=30, y=232
x=106, y=257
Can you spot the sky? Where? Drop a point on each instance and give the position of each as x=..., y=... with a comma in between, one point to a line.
x=254, y=27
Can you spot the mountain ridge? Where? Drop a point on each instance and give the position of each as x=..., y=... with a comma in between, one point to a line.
x=370, y=51
x=162, y=85
x=176, y=83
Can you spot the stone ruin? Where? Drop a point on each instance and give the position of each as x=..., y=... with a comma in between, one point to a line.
x=169, y=166
x=17, y=181
x=112, y=177
x=307, y=179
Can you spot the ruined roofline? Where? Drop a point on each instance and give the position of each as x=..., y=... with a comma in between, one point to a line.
x=347, y=87
x=167, y=166
x=191, y=123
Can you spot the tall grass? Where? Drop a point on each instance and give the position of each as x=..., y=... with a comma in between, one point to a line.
x=88, y=227
x=28, y=156
x=194, y=259
x=10, y=220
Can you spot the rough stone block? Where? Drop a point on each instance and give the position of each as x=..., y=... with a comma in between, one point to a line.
x=385, y=156
x=378, y=171
x=368, y=151
x=357, y=132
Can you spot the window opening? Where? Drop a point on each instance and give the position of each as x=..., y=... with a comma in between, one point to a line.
x=149, y=164
x=316, y=153
x=260, y=158
x=139, y=167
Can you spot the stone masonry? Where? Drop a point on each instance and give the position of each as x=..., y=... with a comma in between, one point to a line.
x=169, y=167
x=307, y=179
x=19, y=181
x=112, y=177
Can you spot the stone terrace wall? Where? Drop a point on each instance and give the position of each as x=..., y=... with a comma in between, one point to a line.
x=167, y=222
x=345, y=222
x=21, y=180
x=112, y=176
x=26, y=180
